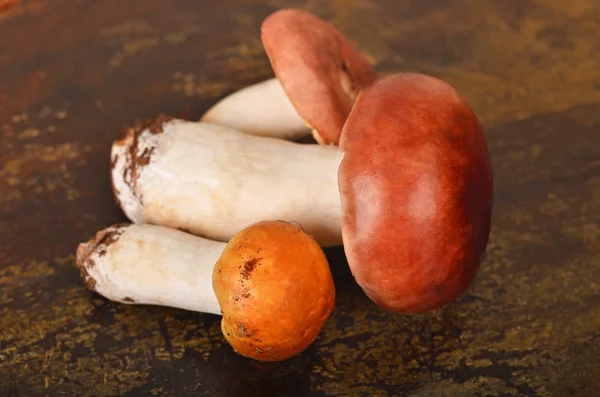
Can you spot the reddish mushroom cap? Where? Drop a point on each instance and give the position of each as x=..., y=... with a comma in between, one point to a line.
x=416, y=188
x=320, y=69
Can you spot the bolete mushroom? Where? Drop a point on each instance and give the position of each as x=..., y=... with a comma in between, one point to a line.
x=272, y=283
x=214, y=181
x=319, y=73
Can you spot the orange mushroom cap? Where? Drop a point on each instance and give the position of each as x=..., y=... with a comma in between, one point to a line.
x=320, y=70
x=416, y=189
x=275, y=290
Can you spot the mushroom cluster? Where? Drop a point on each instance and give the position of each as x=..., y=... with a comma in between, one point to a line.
x=229, y=214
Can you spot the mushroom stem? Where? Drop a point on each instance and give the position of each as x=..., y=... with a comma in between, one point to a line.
x=262, y=109
x=214, y=181
x=152, y=265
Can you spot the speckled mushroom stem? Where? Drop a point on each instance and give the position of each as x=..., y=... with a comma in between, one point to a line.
x=214, y=181
x=152, y=265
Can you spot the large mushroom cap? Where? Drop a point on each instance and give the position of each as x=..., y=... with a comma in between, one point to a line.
x=321, y=70
x=275, y=290
x=416, y=191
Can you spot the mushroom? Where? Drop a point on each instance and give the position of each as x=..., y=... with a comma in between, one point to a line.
x=213, y=181
x=408, y=192
x=272, y=283
x=319, y=73
x=416, y=191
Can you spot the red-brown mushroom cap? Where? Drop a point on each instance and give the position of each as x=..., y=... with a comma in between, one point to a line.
x=416, y=189
x=321, y=70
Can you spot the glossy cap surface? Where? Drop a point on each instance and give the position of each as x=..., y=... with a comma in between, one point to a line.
x=416, y=188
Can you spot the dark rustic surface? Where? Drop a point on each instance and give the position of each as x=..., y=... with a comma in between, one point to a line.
x=74, y=72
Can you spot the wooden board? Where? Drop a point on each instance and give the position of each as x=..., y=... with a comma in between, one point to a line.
x=73, y=73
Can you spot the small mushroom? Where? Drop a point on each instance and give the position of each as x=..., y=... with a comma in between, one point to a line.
x=272, y=282
x=214, y=181
x=315, y=65
x=416, y=191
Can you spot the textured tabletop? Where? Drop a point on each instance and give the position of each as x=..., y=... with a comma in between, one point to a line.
x=73, y=73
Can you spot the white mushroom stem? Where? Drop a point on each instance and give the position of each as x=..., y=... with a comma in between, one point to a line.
x=152, y=265
x=214, y=181
x=261, y=109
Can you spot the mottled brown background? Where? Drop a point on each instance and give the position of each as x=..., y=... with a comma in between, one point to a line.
x=74, y=72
